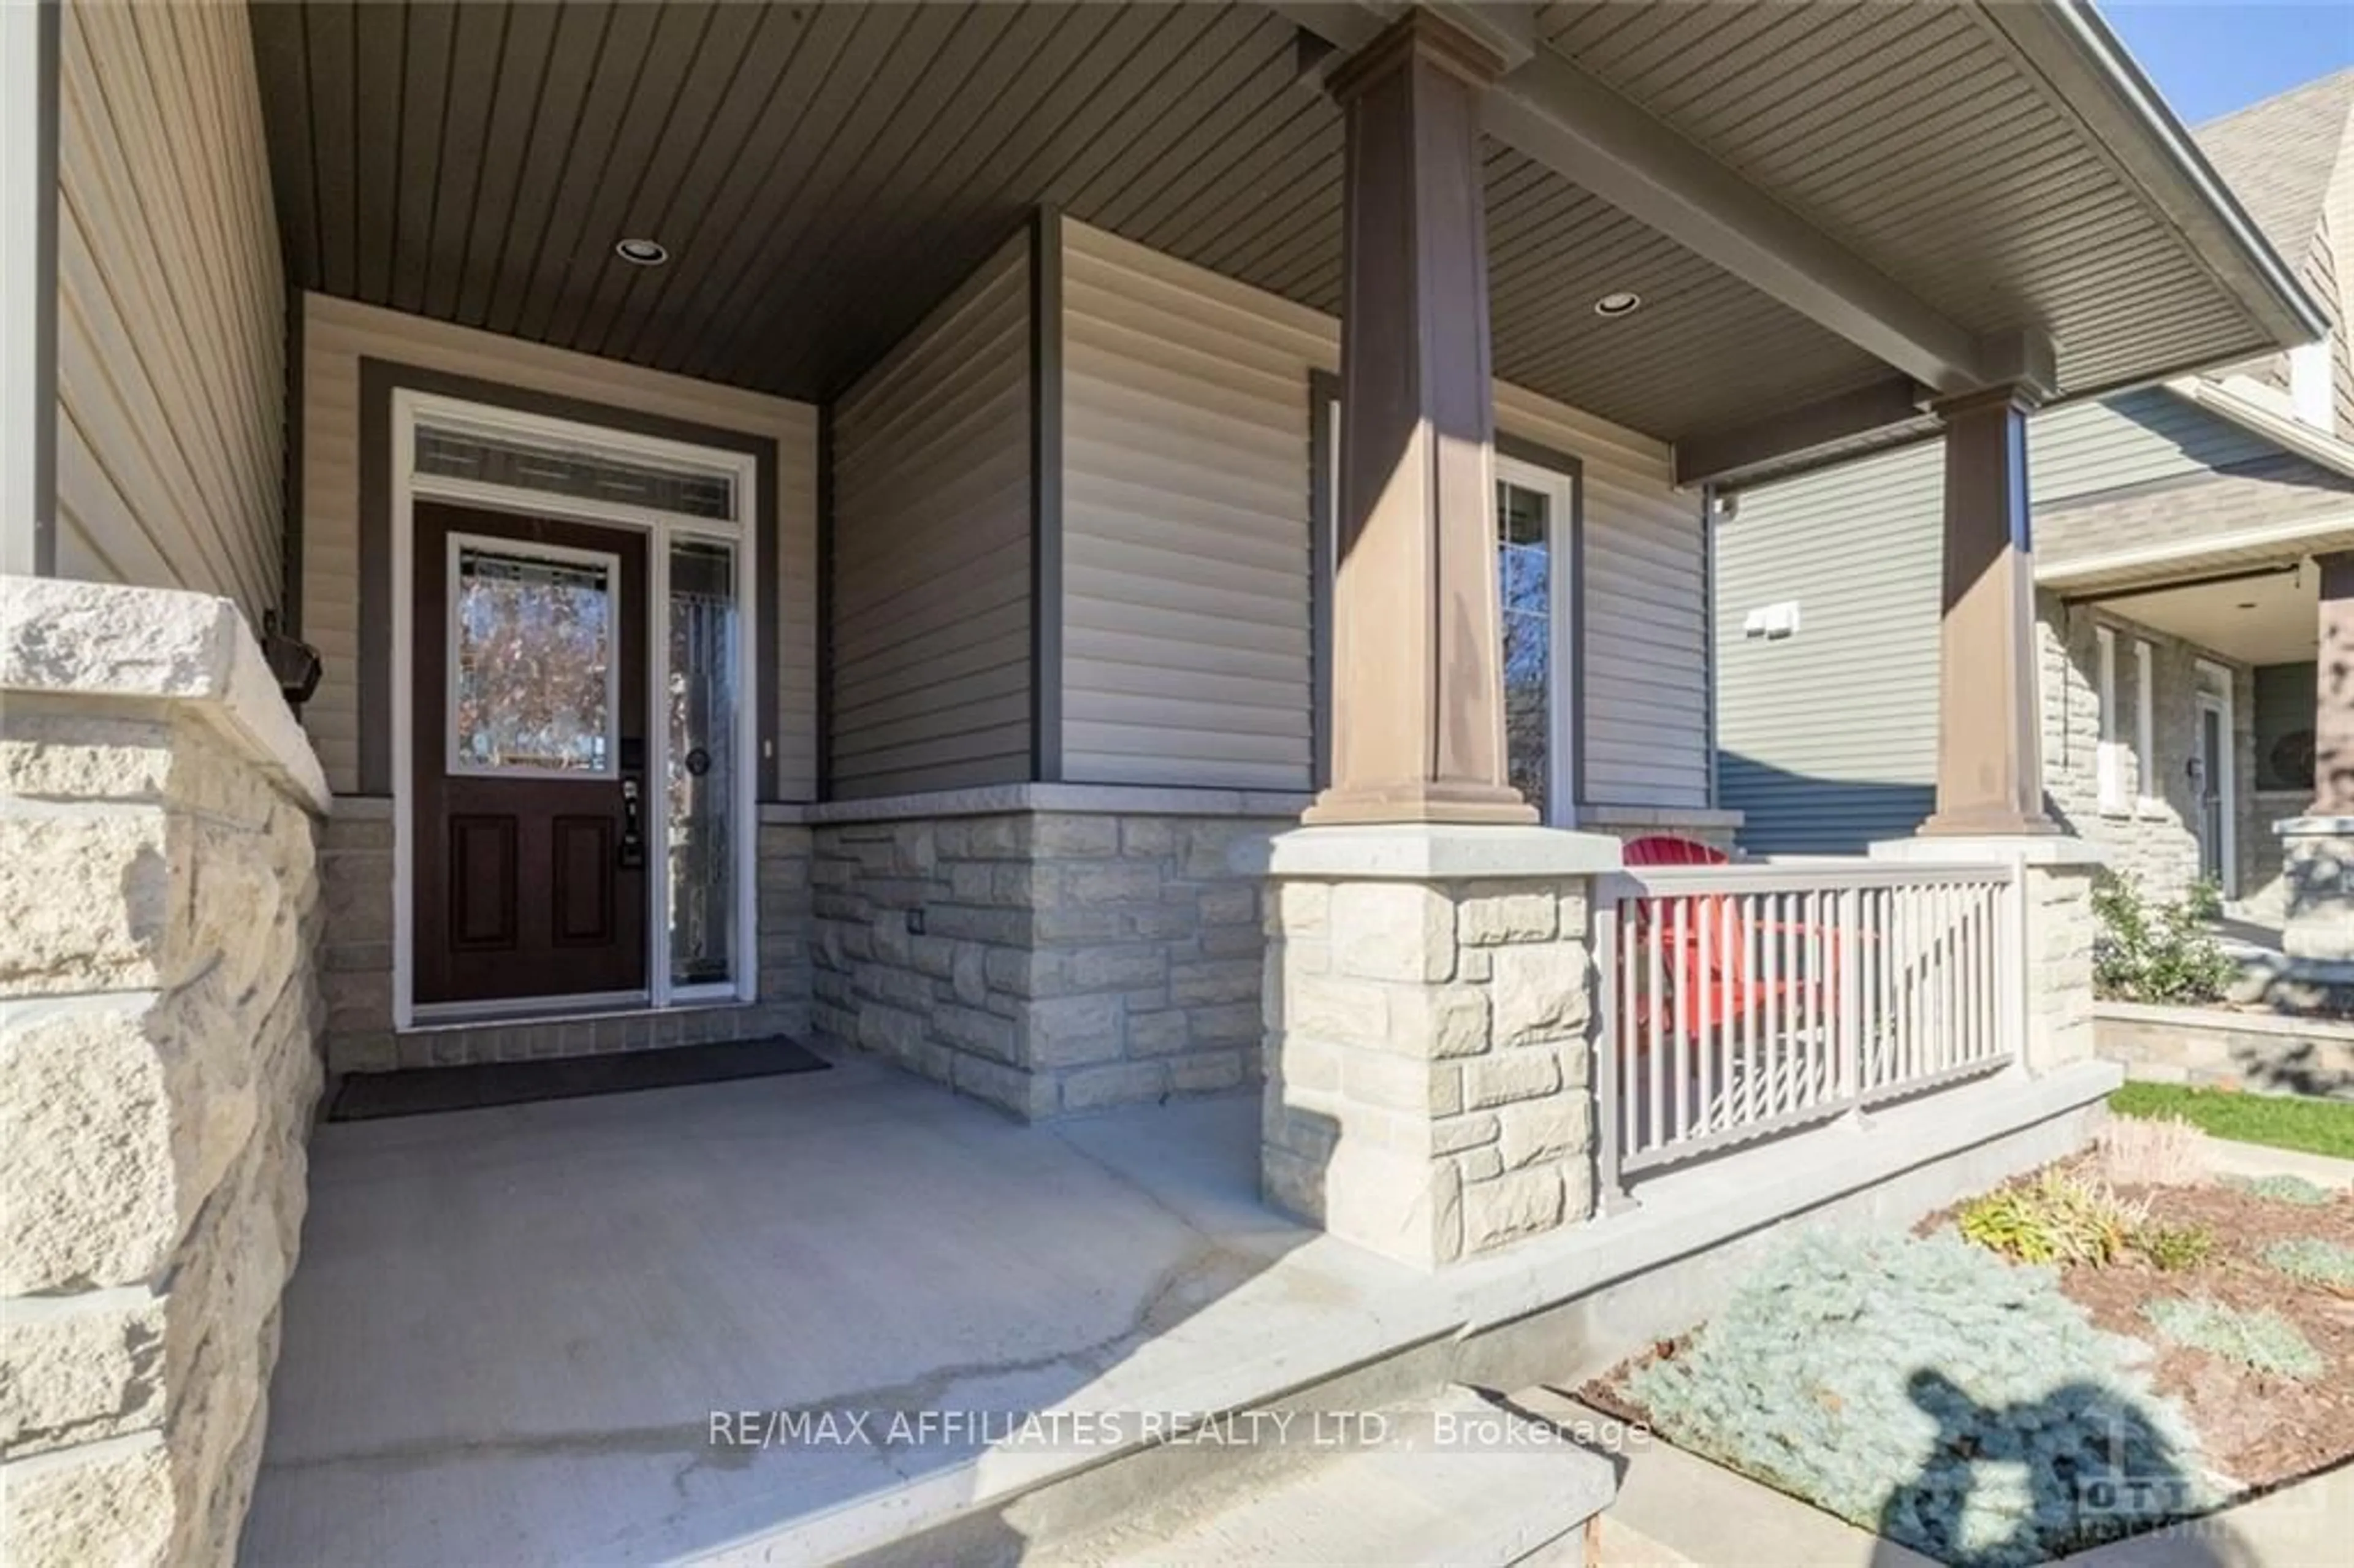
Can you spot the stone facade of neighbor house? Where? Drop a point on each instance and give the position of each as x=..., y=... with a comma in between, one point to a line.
x=158, y=1065
x=2150, y=835
x=1045, y=960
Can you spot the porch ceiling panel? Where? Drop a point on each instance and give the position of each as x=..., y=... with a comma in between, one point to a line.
x=1921, y=137
x=824, y=174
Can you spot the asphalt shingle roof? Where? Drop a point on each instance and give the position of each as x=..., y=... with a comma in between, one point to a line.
x=2279, y=157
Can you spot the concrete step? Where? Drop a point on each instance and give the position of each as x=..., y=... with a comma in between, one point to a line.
x=1456, y=1480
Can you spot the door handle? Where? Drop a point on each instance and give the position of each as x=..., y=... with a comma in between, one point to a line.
x=633, y=842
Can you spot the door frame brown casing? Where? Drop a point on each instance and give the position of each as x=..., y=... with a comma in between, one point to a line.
x=387, y=578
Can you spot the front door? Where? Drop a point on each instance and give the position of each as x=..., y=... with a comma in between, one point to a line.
x=530, y=758
x=2214, y=758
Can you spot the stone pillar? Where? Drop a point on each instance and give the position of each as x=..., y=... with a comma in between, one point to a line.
x=1429, y=1035
x=158, y=1065
x=2055, y=961
x=2317, y=849
x=1989, y=767
x=1417, y=707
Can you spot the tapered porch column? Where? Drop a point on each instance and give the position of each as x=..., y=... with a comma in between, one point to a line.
x=1417, y=709
x=1989, y=761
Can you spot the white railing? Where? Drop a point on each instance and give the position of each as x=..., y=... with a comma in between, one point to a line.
x=1738, y=1001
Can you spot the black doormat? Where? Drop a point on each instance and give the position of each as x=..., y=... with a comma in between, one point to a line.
x=422, y=1091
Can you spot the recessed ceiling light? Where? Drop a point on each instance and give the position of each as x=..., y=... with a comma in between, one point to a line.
x=642, y=252
x=1620, y=303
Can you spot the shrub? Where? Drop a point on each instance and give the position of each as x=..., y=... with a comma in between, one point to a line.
x=2174, y=1248
x=2262, y=1340
x=2160, y=1151
x=2310, y=1260
x=2153, y=951
x=2057, y=1218
x=1924, y=1389
x=2286, y=1189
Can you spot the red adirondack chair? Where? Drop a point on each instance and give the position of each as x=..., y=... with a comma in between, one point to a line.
x=1710, y=979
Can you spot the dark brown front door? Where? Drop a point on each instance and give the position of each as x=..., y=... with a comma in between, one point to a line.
x=530, y=691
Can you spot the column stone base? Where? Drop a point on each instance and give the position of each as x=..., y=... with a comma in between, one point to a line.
x=1428, y=1033
x=2317, y=857
x=2057, y=874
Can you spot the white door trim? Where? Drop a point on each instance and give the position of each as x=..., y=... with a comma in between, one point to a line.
x=2218, y=698
x=409, y=409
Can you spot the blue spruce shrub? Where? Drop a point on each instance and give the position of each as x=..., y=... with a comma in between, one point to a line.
x=1924, y=1389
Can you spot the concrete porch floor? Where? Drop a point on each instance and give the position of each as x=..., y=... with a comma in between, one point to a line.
x=510, y=1326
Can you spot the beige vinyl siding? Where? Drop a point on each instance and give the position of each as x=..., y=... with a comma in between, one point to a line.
x=931, y=549
x=338, y=334
x=1186, y=549
x=1187, y=599
x=1643, y=639
x=1827, y=739
x=171, y=306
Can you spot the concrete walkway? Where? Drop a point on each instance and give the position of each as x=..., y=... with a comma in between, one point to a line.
x=510, y=1328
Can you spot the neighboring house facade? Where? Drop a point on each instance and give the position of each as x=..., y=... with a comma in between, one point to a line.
x=2177, y=528
x=1096, y=554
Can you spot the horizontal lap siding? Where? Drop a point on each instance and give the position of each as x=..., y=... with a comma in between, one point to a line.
x=1187, y=599
x=1644, y=638
x=1185, y=527
x=931, y=549
x=1828, y=739
x=171, y=320
x=337, y=334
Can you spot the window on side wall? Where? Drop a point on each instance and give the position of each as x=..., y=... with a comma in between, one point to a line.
x=2109, y=758
x=2149, y=789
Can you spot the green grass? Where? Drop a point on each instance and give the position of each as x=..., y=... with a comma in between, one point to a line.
x=2317, y=1127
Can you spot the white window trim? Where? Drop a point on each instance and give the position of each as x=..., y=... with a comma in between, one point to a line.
x=2109, y=751
x=411, y=409
x=2150, y=798
x=1560, y=491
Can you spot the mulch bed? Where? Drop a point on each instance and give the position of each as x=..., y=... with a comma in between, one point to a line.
x=2259, y=1430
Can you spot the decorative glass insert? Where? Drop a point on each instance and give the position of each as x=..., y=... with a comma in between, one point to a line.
x=590, y=475
x=1525, y=581
x=699, y=689
x=532, y=661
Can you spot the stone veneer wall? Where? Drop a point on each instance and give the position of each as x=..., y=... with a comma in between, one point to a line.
x=357, y=961
x=1428, y=1059
x=2060, y=927
x=2155, y=843
x=1044, y=960
x=158, y=1066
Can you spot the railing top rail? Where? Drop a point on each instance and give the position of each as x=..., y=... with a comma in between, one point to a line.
x=1668, y=880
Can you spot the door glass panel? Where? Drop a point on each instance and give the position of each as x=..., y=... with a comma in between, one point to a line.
x=699, y=689
x=1524, y=574
x=532, y=662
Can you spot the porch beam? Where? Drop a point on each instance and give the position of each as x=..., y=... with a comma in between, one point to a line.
x=1989, y=755
x=1417, y=713
x=28, y=287
x=1571, y=122
x=1714, y=456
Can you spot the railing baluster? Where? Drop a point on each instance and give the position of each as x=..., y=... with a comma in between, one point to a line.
x=1655, y=931
x=1706, y=1004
